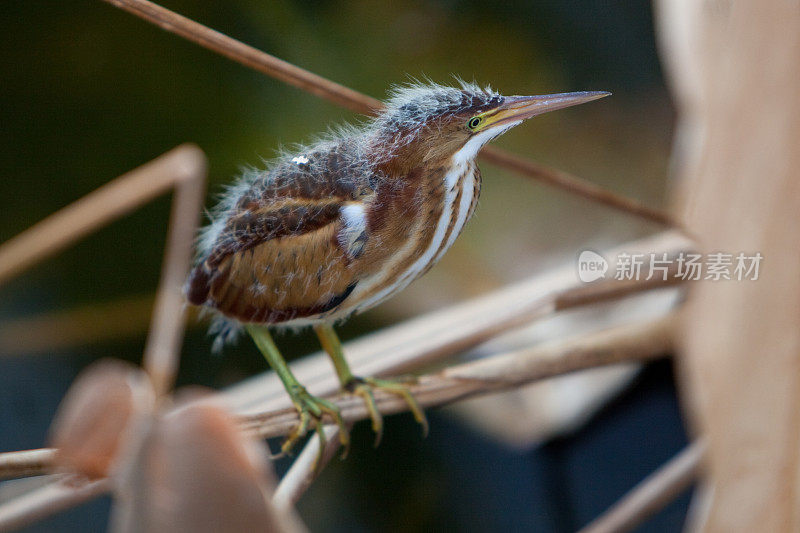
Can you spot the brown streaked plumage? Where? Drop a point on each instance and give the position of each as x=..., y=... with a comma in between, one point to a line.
x=339, y=226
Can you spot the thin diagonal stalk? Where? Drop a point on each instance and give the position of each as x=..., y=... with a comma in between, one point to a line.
x=49, y=500
x=182, y=168
x=652, y=494
x=52, y=332
x=103, y=205
x=361, y=103
x=167, y=322
x=248, y=56
x=26, y=463
x=304, y=469
x=574, y=185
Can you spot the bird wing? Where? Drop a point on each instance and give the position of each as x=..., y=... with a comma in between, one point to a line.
x=285, y=246
x=259, y=224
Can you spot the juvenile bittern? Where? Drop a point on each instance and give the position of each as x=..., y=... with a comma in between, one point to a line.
x=339, y=226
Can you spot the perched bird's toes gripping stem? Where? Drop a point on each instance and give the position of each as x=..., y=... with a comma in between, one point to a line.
x=313, y=409
x=364, y=388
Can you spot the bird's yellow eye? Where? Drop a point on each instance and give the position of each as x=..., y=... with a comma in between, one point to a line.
x=474, y=122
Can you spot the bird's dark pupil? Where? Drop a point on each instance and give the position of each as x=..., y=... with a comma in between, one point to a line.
x=473, y=122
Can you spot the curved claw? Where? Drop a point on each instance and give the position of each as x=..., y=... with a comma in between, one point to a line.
x=365, y=391
x=364, y=387
x=312, y=408
x=299, y=430
x=332, y=410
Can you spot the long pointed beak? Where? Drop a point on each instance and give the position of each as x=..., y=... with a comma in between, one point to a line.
x=518, y=108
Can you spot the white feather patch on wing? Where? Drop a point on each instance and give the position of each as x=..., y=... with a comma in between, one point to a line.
x=353, y=234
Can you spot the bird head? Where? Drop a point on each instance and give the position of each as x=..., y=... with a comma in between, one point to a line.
x=429, y=122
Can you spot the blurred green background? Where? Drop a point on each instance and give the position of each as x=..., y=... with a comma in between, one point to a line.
x=89, y=92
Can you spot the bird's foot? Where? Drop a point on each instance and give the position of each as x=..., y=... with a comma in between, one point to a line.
x=313, y=409
x=364, y=388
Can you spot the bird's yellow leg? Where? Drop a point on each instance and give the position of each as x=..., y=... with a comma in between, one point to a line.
x=364, y=387
x=308, y=407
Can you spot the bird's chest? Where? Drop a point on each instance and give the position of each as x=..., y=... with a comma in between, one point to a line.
x=433, y=214
x=413, y=230
x=449, y=204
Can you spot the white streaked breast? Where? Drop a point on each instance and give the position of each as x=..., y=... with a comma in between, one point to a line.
x=461, y=162
x=416, y=268
x=468, y=190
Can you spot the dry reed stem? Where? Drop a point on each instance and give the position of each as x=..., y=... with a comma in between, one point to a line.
x=574, y=185
x=608, y=347
x=26, y=463
x=438, y=324
x=48, y=500
x=736, y=70
x=651, y=494
x=183, y=168
x=103, y=205
x=348, y=98
x=53, y=331
x=631, y=342
x=440, y=334
x=167, y=323
x=304, y=469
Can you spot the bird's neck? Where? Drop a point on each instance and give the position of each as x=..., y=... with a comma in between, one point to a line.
x=397, y=157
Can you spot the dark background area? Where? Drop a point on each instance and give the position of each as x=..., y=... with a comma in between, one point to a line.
x=89, y=92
